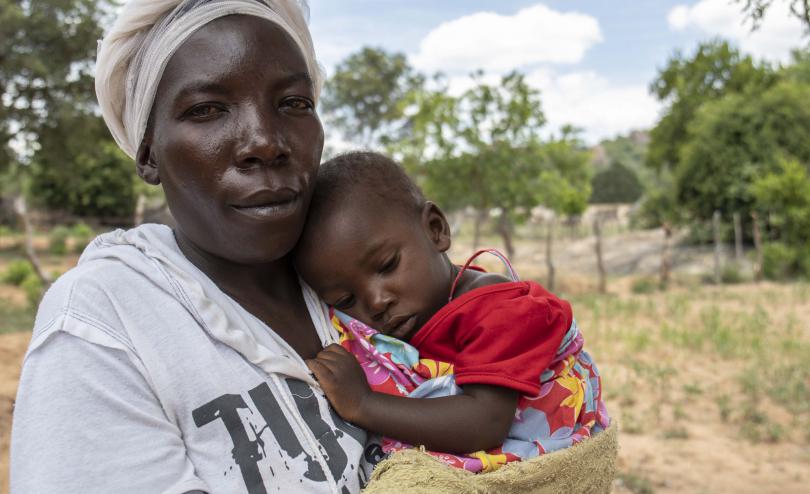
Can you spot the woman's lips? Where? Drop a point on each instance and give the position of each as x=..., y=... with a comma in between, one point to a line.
x=274, y=209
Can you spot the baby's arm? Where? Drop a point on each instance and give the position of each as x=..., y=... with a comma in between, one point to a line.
x=477, y=420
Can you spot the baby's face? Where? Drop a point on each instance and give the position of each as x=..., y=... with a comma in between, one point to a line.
x=380, y=265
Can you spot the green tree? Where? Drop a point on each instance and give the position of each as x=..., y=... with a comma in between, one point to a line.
x=616, y=184
x=736, y=139
x=487, y=154
x=684, y=84
x=755, y=11
x=490, y=149
x=630, y=150
x=784, y=195
x=368, y=93
x=47, y=50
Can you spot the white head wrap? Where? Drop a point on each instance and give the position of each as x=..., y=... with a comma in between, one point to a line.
x=134, y=54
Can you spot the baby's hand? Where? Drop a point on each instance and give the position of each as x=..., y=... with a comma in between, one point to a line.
x=342, y=380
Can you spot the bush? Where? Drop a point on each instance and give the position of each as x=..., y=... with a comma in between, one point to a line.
x=731, y=274
x=616, y=184
x=779, y=261
x=82, y=235
x=644, y=285
x=17, y=272
x=33, y=289
x=58, y=240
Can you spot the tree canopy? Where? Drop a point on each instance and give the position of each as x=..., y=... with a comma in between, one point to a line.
x=755, y=10
x=367, y=94
x=47, y=51
x=616, y=184
x=686, y=83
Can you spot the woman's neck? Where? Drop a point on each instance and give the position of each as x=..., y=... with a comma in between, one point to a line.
x=272, y=281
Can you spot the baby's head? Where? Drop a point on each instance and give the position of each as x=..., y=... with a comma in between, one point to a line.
x=373, y=247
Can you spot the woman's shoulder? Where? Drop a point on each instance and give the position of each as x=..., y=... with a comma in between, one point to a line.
x=104, y=293
x=85, y=297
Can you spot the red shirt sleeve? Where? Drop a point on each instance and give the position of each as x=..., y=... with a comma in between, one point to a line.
x=504, y=335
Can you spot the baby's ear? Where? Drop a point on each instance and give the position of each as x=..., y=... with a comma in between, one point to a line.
x=436, y=226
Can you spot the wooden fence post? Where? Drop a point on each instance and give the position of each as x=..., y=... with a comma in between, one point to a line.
x=600, y=265
x=666, y=257
x=718, y=246
x=738, y=239
x=757, y=246
x=21, y=209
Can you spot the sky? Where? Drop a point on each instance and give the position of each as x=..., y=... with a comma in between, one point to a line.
x=592, y=60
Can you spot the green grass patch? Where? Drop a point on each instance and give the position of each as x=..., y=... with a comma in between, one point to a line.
x=635, y=483
x=14, y=318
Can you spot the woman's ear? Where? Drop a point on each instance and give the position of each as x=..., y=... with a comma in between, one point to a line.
x=436, y=226
x=146, y=165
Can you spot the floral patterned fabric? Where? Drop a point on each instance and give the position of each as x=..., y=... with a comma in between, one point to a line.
x=568, y=409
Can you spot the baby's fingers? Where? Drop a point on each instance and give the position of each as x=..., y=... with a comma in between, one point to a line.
x=320, y=369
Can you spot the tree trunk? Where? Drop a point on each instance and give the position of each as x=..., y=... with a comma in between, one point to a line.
x=600, y=264
x=666, y=257
x=549, y=261
x=140, y=207
x=718, y=246
x=738, y=239
x=757, y=246
x=505, y=230
x=21, y=210
x=480, y=216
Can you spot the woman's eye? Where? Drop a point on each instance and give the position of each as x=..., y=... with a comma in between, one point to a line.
x=390, y=264
x=344, y=304
x=298, y=104
x=203, y=111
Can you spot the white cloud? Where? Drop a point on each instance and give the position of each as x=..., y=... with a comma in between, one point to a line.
x=591, y=102
x=584, y=99
x=499, y=43
x=778, y=34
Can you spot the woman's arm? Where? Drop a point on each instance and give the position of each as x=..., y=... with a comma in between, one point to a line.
x=477, y=420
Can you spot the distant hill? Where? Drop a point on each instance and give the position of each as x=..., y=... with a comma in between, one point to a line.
x=629, y=150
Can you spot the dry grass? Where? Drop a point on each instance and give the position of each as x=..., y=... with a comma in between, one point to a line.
x=711, y=386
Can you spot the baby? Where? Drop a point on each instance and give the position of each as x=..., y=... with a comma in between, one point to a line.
x=375, y=249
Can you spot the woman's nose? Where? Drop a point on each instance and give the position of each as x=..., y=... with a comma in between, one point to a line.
x=262, y=138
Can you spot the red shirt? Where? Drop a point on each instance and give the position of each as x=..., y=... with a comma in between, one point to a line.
x=504, y=334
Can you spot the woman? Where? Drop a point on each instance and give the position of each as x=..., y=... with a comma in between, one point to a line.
x=153, y=366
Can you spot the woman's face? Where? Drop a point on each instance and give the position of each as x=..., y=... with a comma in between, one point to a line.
x=235, y=140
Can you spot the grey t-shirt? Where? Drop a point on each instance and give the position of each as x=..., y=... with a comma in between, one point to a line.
x=142, y=376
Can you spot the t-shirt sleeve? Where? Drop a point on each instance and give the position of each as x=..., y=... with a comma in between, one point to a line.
x=87, y=421
x=511, y=338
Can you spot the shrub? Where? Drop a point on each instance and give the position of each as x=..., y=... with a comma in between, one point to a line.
x=82, y=235
x=33, y=289
x=17, y=272
x=731, y=274
x=58, y=240
x=615, y=184
x=779, y=261
x=644, y=285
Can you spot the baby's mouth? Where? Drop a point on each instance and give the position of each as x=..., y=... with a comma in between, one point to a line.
x=400, y=326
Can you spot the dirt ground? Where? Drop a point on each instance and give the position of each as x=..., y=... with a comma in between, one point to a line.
x=710, y=385
x=12, y=349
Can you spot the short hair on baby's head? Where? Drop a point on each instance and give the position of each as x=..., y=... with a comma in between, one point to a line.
x=358, y=174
